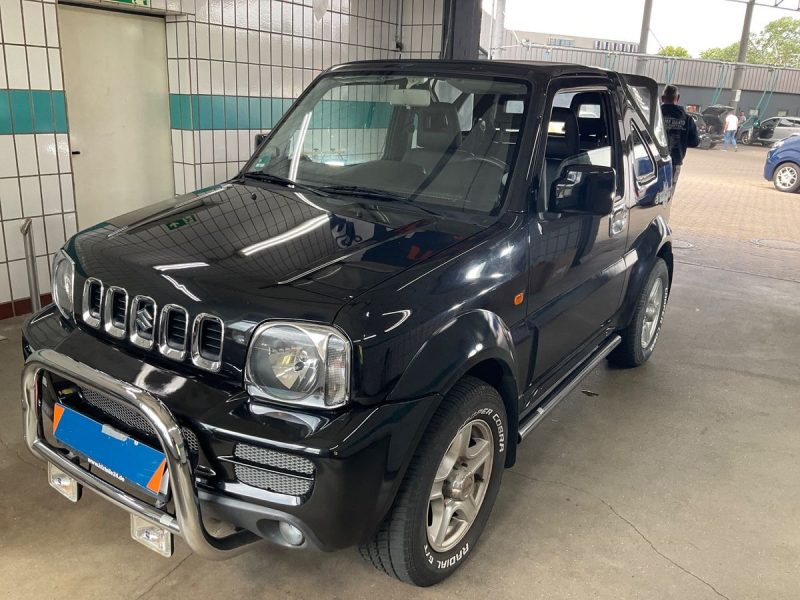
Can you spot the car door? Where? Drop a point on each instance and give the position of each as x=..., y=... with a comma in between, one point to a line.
x=574, y=288
x=766, y=130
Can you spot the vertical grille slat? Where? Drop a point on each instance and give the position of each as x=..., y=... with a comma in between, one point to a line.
x=115, y=316
x=173, y=330
x=208, y=334
x=92, y=302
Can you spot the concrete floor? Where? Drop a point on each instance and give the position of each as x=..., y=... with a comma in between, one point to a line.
x=679, y=480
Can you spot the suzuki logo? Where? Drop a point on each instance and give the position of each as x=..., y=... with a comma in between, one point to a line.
x=145, y=318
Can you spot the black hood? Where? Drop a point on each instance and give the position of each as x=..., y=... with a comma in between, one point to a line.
x=249, y=253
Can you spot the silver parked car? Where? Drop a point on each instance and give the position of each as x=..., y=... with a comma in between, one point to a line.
x=771, y=130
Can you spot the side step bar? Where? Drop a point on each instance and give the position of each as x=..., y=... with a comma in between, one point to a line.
x=566, y=385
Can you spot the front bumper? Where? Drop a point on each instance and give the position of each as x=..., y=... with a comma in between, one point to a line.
x=359, y=455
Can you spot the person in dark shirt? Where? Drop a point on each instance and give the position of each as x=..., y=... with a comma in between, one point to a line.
x=681, y=130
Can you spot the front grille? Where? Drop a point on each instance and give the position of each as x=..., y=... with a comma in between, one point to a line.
x=131, y=419
x=295, y=479
x=146, y=327
x=273, y=482
x=272, y=458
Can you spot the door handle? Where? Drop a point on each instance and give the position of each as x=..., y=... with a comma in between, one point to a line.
x=75, y=152
x=618, y=221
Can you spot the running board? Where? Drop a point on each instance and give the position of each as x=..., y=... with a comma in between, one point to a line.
x=566, y=385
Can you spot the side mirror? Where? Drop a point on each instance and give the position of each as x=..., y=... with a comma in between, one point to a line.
x=260, y=137
x=583, y=190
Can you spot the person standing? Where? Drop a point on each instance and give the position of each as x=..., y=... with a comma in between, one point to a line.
x=731, y=125
x=681, y=129
x=742, y=118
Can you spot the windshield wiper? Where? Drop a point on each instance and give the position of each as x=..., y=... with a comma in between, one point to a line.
x=284, y=181
x=375, y=194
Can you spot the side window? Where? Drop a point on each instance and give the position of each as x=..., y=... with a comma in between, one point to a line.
x=644, y=165
x=786, y=123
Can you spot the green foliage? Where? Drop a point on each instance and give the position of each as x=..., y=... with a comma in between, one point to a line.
x=678, y=51
x=777, y=44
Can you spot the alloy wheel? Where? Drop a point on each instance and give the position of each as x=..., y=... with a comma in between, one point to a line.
x=652, y=312
x=460, y=485
x=787, y=177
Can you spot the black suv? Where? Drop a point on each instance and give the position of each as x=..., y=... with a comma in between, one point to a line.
x=345, y=344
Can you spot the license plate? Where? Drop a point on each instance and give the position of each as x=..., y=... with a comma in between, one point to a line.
x=111, y=451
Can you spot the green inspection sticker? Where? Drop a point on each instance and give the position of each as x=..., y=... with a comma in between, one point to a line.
x=182, y=222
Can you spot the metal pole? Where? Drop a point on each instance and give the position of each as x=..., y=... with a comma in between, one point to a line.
x=30, y=263
x=498, y=29
x=744, y=43
x=645, y=33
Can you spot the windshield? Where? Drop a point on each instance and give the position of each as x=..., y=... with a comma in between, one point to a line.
x=446, y=142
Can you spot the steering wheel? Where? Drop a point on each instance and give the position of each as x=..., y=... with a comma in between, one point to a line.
x=487, y=159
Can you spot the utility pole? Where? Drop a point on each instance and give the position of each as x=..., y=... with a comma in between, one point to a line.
x=744, y=43
x=648, y=10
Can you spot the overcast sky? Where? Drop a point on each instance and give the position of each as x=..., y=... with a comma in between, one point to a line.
x=693, y=24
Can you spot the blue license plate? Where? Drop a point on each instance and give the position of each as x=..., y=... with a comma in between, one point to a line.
x=113, y=452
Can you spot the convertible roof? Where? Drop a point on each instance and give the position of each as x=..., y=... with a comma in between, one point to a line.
x=484, y=67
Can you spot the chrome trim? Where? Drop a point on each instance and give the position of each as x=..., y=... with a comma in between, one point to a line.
x=108, y=313
x=134, y=337
x=86, y=313
x=187, y=521
x=197, y=360
x=163, y=347
x=562, y=389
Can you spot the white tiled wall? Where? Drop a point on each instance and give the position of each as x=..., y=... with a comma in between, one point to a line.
x=259, y=49
x=242, y=48
x=35, y=170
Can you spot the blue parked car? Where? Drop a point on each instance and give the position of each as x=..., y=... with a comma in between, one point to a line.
x=783, y=164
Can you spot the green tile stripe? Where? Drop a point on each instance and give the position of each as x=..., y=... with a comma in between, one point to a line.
x=201, y=111
x=32, y=111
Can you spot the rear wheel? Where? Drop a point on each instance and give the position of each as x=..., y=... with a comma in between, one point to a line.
x=448, y=491
x=640, y=337
x=787, y=177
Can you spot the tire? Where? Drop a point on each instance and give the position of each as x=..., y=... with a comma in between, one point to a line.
x=640, y=336
x=403, y=546
x=786, y=177
x=745, y=139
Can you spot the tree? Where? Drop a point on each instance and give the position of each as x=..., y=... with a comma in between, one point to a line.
x=777, y=44
x=677, y=51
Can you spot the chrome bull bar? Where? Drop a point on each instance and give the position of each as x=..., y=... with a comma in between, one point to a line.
x=187, y=521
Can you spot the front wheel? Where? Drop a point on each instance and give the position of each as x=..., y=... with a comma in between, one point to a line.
x=745, y=139
x=787, y=177
x=448, y=491
x=639, y=338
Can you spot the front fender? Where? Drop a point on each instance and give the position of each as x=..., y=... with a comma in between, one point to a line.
x=454, y=349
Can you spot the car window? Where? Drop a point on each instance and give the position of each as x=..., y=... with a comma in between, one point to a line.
x=644, y=165
x=786, y=123
x=447, y=141
x=578, y=132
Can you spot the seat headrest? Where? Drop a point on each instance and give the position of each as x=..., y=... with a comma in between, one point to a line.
x=568, y=144
x=438, y=127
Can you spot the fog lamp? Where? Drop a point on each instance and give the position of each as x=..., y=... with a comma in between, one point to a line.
x=151, y=535
x=64, y=484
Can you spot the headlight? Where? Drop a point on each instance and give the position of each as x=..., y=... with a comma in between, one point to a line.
x=299, y=363
x=63, y=283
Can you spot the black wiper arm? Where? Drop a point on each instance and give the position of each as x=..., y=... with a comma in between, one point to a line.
x=284, y=181
x=374, y=194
